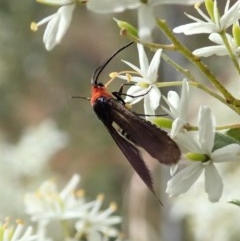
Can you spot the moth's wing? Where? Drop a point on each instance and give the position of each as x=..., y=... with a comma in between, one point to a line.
x=134, y=157
x=145, y=134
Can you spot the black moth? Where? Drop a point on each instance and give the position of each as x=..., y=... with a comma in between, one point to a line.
x=130, y=131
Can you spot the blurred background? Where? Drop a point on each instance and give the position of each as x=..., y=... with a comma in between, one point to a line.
x=44, y=133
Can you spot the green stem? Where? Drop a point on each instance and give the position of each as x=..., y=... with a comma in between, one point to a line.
x=231, y=126
x=150, y=45
x=178, y=67
x=194, y=83
x=232, y=55
x=199, y=86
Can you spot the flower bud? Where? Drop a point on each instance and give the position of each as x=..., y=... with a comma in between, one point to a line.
x=125, y=26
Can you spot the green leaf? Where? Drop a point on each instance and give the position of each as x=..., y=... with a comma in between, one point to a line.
x=209, y=7
x=162, y=122
x=222, y=140
x=236, y=34
x=127, y=27
x=234, y=133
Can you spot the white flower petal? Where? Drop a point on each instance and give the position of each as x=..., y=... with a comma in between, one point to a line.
x=185, y=2
x=227, y=153
x=135, y=91
x=195, y=28
x=173, y=100
x=146, y=21
x=56, y=2
x=152, y=72
x=206, y=17
x=178, y=105
x=109, y=6
x=173, y=169
x=57, y=26
x=211, y=50
x=132, y=66
x=206, y=123
x=148, y=110
x=71, y=186
x=187, y=142
x=143, y=60
x=49, y=36
x=184, y=101
x=65, y=20
x=184, y=179
x=216, y=38
x=177, y=127
x=230, y=16
x=154, y=97
x=213, y=183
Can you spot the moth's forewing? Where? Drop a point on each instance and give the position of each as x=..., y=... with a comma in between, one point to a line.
x=145, y=134
x=134, y=157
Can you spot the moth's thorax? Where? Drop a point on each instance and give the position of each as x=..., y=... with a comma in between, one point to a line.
x=99, y=90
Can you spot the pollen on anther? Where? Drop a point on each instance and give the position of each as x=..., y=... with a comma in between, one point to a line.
x=113, y=206
x=80, y=193
x=129, y=77
x=34, y=26
x=113, y=74
x=197, y=5
x=19, y=221
x=100, y=197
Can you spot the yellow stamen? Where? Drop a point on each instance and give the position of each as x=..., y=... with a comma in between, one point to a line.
x=129, y=77
x=128, y=106
x=19, y=221
x=197, y=5
x=113, y=74
x=80, y=193
x=100, y=197
x=34, y=26
x=113, y=206
x=143, y=84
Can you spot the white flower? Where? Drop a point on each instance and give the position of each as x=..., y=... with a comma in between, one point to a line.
x=96, y=223
x=216, y=24
x=57, y=26
x=178, y=107
x=219, y=49
x=211, y=221
x=145, y=87
x=202, y=145
x=10, y=233
x=146, y=18
x=48, y=203
x=36, y=146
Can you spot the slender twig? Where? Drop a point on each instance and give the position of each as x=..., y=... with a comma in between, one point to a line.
x=230, y=100
x=232, y=55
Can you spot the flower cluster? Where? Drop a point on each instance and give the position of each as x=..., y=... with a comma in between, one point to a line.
x=215, y=25
x=10, y=232
x=48, y=205
x=205, y=144
x=59, y=22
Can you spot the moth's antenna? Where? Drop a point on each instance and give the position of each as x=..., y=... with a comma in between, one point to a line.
x=99, y=70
